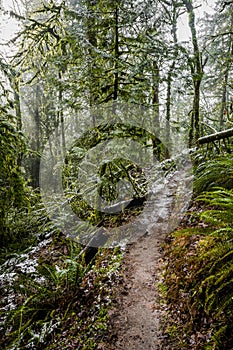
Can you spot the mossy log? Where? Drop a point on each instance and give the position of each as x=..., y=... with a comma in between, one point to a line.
x=217, y=136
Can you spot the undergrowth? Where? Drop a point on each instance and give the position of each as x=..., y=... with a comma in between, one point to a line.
x=64, y=304
x=214, y=172
x=199, y=277
x=26, y=226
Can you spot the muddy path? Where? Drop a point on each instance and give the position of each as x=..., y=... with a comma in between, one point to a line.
x=135, y=323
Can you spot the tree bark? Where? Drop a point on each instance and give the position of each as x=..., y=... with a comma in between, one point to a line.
x=155, y=94
x=171, y=68
x=197, y=74
x=155, y=103
x=91, y=37
x=116, y=73
x=224, y=101
x=61, y=114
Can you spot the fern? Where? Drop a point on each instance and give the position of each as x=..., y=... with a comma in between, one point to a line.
x=64, y=303
x=214, y=173
x=54, y=289
x=200, y=272
x=223, y=200
x=216, y=289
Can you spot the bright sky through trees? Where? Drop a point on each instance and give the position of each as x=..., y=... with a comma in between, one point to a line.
x=9, y=26
x=203, y=7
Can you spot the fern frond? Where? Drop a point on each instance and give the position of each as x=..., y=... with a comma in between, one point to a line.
x=223, y=200
x=214, y=173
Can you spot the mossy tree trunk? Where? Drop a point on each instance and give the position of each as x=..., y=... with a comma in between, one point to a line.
x=196, y=67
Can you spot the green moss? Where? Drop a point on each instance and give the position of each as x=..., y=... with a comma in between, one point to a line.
x=199, y=277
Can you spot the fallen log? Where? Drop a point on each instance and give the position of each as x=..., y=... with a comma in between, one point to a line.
x=217, y=136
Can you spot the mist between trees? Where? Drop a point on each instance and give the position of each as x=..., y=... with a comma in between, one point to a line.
x=79, y=61
x=72, y=55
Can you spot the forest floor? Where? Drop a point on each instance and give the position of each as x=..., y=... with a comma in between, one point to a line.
x=135, y=322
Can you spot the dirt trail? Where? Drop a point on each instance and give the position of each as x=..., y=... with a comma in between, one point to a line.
x=135, y=323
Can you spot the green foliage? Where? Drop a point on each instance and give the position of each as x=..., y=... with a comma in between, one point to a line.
x=12, y=185
x=65, y=302
x=216, y=172
x=200, y=274
x=91, y=52
x=109, y=173
x=26, y=225
x=43, y=296
x=222, y=200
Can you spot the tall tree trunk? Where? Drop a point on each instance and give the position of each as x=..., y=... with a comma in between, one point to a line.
x=197, y=75
x=155, y=104
x=16, y=88
x=171, y=68
x=116, y=72
x=35, y=161
x=92, y=39
x=223, y=111
x=60, y=114
x=155, y=93
x=17, y=105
